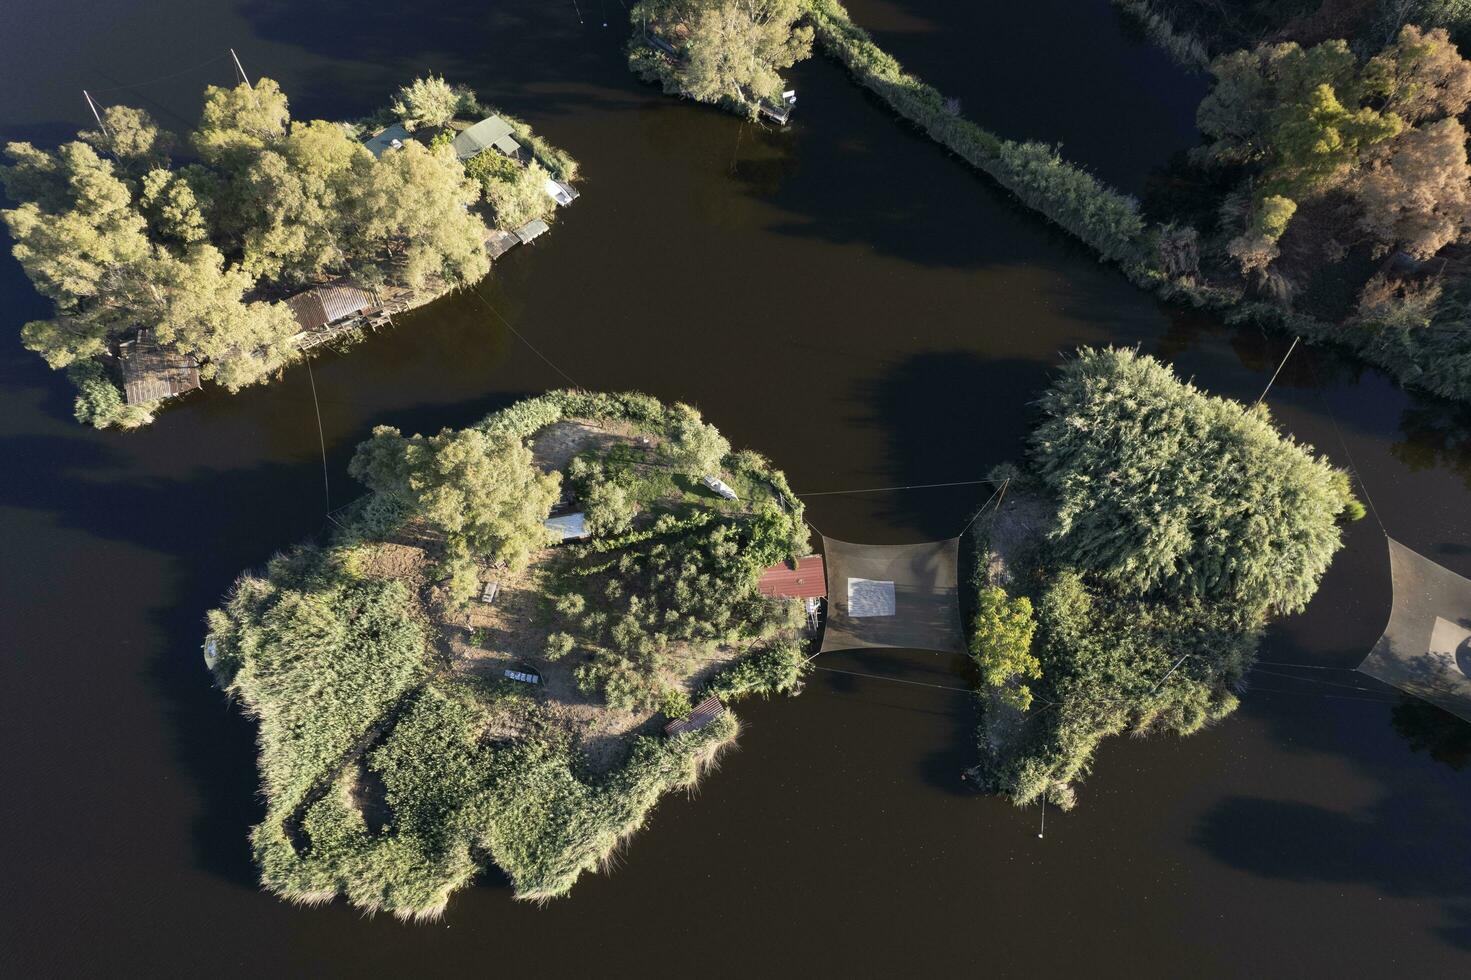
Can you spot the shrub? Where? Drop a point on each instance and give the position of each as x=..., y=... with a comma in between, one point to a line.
x=1001, y=643
x=99, y=403
x=558, y=646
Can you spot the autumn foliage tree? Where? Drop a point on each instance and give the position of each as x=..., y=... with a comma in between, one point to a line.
x=1305, y=121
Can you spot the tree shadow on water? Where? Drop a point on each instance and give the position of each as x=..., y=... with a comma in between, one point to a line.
x=1394, y=845
x=949, y=416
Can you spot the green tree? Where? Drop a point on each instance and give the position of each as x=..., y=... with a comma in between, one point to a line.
x=1001, y=644
x=176, y=216
x=695, y=446
x=732, y=50
x=1163, y=488
x=415, y=208
x=429, y=102
x=80, y=240
x=515, y=194
x=237, y=123
x=132, y=138
x=481, y=491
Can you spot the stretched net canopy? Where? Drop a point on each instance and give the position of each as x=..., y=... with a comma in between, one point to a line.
x=893, y=596
x=1426, y=648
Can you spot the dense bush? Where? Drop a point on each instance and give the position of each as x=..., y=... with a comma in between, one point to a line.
x=1182, y=521
x=1001, y=644
x=1164, y=488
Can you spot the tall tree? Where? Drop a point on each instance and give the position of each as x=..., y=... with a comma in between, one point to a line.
x=236, y=123
x=482, y=491
x=427, y=102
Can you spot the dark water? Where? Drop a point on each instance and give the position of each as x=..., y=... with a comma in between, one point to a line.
x=841, y=296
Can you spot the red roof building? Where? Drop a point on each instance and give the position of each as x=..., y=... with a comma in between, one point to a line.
x=807, y=581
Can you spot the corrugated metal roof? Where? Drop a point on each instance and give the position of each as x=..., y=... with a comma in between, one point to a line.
x=807, y=581
x=151, y=373
x=481, y=136
x=316, y=308
x=534, y=228
x=704, y=713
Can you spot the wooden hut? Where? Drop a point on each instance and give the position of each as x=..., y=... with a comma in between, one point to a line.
x=152, y=373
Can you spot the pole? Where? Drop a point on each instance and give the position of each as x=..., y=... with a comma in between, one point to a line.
x=96, y=115
x=1279, y=370
x=243, y=77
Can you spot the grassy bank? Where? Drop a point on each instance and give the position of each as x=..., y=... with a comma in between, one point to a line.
x=397, y=759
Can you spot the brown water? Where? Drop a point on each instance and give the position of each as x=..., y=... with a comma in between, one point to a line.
x=841, y=296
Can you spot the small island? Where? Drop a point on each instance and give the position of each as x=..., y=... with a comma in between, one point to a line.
x=228, y=256
x=521, y=638
x=1136, y=555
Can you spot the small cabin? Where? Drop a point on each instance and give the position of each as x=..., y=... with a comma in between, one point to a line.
x=323, y=306
x=491, y=133
x=150, y=373
x=808, y=580
x=779, y=112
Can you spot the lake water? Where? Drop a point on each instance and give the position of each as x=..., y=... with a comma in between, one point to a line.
x=840, y=295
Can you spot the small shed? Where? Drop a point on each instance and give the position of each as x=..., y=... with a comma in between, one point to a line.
x=531, y=231
x=150, y=373
x=322, y=306
x=807, y=581
x=704, y=713
x=568, y=527
x=392, y=138
x=498, y=242
x=492, y=132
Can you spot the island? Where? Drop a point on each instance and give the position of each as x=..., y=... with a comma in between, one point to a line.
x=230, y=255
x=1136, y=554
x=525, y=634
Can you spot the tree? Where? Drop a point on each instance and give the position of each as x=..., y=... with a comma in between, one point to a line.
x=1161, y=487
x=516, y=194
x=80, y=240
x=732, y=49
x=429, y=101
x=695, y=447
x=1421, y=76
x=173, y=208
x=297, y=203
x=1001, y=644
x=196, y=305
x=132, y=138
x=481, y=491
x=1417, y=192
x=416, y=205
x=239, y=122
